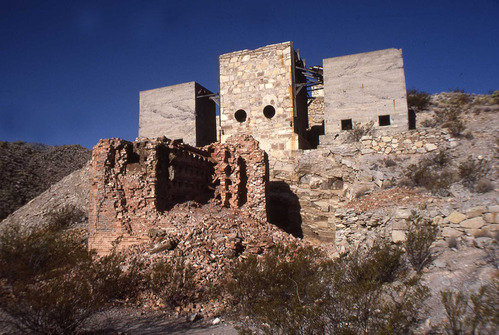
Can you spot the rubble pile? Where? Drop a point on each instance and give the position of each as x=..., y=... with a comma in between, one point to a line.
x=210, y=238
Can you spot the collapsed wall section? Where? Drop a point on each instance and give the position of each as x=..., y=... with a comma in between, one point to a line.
x=366, y=87
x=182, y=111
x=240, y=174
x=133, y=184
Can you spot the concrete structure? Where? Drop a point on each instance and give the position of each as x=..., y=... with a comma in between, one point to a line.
x=181, y=111
x=259, y=97
x=366, y=87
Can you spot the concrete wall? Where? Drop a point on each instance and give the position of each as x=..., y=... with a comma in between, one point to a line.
x=364, y=86
x=173, y=112
x=252, y=79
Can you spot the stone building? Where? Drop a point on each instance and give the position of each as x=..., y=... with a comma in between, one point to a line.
x=270, y=94
x=268, y=99
x=259, y=97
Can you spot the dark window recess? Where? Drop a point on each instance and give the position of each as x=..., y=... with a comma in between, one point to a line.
x=240, y=115
x=269, y=111
x=412, y=119
x=384, y=120
x=346, y=124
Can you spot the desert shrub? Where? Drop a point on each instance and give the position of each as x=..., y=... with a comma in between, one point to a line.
x=484, y=185
x=49, y=282
x=459, y=98
x=450, y=118
x=441, y=158
x=298, y=291
x=358, y=130
x=473, y=314
x=380, y=263
x=390, y=162
x=429, y=123
x=65, y=216
x=421, y=233
x=417, y=101
x=173, y=281
x=370, y=293
x=494, y=97
x=472, y=170
x=283, y=289
x=430, y=174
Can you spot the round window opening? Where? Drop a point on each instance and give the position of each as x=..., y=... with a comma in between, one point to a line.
x=240, y=115
x=269, y=111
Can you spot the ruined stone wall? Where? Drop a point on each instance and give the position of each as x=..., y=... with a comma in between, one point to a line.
x=410, y=142
x=363, y=87
x=257, y=96
x=356, y=226
x=316, y=107
x=133, y=184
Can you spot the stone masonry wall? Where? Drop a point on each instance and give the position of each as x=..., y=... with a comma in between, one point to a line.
x=251, y=80
x=133, y=184
x=476, y=224
x=316, y=107
x=324, y=180
x=410, y=142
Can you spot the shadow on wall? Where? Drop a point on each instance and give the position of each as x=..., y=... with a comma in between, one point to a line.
x=283, y=208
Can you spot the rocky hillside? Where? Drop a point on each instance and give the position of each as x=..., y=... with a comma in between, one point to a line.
x=456, y=189
x=28, y=169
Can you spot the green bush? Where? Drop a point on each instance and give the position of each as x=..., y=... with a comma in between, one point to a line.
x=282, y=292
x=474, y=314
x=418, y=101
x=421, y=233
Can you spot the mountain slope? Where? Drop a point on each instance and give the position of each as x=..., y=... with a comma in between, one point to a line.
x=28, y=169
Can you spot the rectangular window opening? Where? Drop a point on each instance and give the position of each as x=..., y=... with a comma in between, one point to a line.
x=384, y=120
x=346, y=124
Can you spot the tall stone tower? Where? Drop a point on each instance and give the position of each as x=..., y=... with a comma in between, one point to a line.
x=260, y=95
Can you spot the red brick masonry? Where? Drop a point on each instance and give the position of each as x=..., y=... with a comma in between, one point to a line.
x=133, y=184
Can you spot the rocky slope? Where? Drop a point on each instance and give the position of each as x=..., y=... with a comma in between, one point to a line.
x=28, y=169
x=464, y=256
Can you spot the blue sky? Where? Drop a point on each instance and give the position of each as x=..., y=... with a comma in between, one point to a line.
x=71, y=71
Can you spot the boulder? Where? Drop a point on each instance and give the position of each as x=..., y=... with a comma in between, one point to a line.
x=474, y=223
x=456, y=217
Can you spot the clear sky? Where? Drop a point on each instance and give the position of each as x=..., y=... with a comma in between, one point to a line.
x=71, y=71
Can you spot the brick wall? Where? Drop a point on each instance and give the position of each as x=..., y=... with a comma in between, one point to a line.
x=134, y=183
